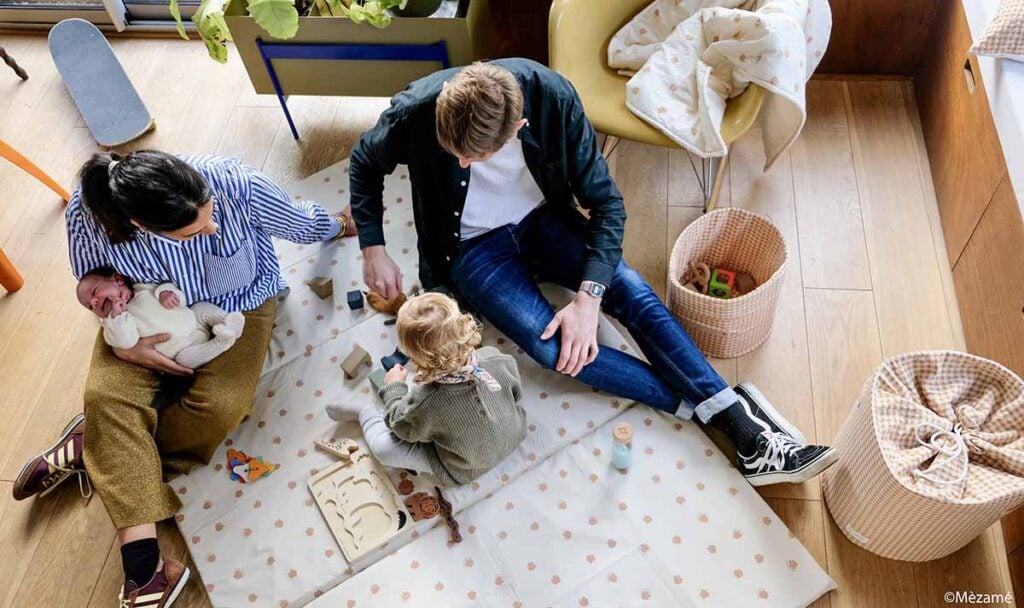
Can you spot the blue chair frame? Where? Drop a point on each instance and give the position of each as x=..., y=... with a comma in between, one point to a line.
x=269, y=51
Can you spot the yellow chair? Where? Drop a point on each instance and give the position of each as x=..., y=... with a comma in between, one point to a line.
x=10, y=279
x=578, y=36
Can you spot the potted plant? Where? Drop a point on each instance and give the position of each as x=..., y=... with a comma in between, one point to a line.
x=337, y=22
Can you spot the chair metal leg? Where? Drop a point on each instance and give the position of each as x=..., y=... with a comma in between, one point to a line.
x=18, y=159
x=720, y=169
x=10, y=279
x=610, y=142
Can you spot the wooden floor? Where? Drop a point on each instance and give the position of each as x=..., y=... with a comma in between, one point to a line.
x=868, y=279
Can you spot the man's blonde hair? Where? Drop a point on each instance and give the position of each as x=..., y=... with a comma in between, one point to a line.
x=478, y=109
x=436, y=335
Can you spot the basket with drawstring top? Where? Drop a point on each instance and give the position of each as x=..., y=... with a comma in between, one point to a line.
x=931, y=455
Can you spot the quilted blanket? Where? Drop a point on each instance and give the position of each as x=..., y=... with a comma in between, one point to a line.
x=691, y=56
x=265, y=544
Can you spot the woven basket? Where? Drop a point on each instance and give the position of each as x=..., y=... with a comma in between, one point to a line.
x=894, y=491
x=740, y=241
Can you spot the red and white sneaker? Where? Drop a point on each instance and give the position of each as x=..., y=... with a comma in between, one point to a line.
x=54, y=465
x=161, y=591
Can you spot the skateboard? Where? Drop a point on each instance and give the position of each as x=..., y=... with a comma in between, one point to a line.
x=108, y=101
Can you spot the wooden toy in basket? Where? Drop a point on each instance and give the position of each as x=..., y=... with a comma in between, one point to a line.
x=745, y=243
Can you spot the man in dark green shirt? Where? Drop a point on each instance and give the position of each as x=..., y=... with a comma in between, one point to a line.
x=500, y=154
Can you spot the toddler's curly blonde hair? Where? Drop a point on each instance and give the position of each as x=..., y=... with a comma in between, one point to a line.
x=436, y=335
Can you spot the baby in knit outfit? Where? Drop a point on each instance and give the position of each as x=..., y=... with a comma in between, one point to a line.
x=197, y=334
x=461, y=416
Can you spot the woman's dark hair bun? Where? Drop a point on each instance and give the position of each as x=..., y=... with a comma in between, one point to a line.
x=159, y=191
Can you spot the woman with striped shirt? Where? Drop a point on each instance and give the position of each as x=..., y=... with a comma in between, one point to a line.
x=204, y=224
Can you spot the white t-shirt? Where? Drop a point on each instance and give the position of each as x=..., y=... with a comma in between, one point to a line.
x=501, y=191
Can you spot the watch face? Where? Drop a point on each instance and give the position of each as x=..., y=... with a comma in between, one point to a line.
x=596, y=290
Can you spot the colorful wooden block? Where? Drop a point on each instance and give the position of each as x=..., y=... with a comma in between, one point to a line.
x=721, y=284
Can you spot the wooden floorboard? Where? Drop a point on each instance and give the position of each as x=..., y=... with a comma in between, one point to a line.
x=853, y=198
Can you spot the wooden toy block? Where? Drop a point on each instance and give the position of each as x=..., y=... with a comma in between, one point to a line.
x=362, y=508
x=323, y=287
x=722, y=282
x=355, y=359
x=744, y=283
x=395, y=358
x=377, y=380
x=355, y=299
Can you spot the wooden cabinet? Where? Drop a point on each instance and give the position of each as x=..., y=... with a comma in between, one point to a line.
x=963, y=147
x=989, y=281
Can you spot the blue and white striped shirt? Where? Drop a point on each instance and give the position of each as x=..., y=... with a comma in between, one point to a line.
x=248, y=209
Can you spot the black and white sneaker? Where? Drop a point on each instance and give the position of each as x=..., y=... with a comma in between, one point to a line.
x=758, y=406
x=780, y=459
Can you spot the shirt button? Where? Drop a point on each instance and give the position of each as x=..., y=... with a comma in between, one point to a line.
x=456, y=214
x=463, y=183
x=456, y=234
x=447, y=258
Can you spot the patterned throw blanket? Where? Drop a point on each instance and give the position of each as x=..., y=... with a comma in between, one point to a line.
x=688, y=57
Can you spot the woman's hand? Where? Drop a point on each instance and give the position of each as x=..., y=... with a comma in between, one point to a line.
x=398, y=373
x=350, y=223
x=144, y=353
x=380, y=272
x=578, y=322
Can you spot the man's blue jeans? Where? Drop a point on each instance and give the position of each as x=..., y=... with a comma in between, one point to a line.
x=497, y=274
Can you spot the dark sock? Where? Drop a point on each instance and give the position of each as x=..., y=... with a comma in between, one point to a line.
x=140, y=559
x=739, y=426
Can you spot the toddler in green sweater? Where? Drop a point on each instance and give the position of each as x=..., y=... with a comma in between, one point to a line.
x=461, y=415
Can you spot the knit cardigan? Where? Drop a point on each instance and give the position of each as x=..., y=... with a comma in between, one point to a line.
x=470, y=429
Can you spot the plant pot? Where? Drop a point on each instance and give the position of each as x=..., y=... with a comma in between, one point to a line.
x=418, y=8
x=465, y=37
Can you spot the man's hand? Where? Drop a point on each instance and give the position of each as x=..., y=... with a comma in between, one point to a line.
x=578, y=322
x=145, y=354
x=380, y=272
x=169, y=299
x=398, y=373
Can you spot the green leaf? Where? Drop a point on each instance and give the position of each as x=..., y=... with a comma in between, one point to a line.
x=372, y=12
x=212, y=28
x=279, y=17
x=176, y=13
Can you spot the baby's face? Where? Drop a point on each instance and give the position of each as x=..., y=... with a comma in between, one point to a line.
x=101, y=294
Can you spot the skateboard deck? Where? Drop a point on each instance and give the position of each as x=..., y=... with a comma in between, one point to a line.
x=108, y=101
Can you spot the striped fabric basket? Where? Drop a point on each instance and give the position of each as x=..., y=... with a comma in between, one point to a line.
x=741, y=241
x=930, y=456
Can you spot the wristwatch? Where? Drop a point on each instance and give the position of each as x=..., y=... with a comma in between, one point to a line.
x=593, y=289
